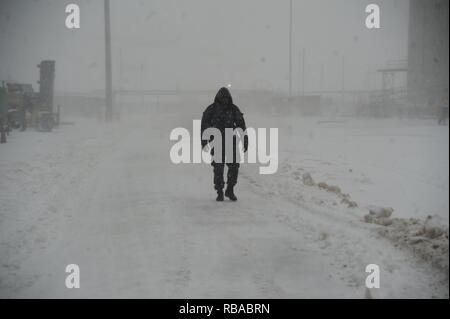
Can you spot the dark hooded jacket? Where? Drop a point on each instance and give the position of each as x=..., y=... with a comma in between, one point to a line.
x=223, y=114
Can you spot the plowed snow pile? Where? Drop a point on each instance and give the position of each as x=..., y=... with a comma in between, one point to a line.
x=427, y=240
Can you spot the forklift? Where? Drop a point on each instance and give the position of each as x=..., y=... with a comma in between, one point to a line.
x=21, y=107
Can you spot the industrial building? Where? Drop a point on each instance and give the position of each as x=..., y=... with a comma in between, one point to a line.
x=428, y=60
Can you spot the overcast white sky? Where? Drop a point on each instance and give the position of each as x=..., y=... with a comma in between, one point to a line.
x=201, y=44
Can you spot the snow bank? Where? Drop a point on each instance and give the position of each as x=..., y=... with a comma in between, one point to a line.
x=426, y=241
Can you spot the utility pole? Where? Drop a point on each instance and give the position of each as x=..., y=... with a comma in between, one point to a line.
x=343, y=79
x=290, y=48
x=302, y=62
x=108, y=66
x=120, y=70
x=118, y=100
x=300, y=73
x=141, y=86
x=322, y=88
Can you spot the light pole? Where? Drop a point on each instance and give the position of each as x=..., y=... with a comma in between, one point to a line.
x=301, y=62
x=343, y=79
x=108, y=66
x=290, y=48
x=141, y=75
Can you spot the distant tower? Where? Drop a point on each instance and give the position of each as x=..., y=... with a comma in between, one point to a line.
x=428, y=50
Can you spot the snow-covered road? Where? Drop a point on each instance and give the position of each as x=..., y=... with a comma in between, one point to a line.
x=108, y=198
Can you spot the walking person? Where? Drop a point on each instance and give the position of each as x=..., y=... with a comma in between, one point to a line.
x=224, y=114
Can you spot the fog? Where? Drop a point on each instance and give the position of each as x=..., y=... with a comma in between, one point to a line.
x=203, y=44
x=344, y=142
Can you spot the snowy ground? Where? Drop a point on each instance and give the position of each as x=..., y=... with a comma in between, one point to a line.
x=107, y=197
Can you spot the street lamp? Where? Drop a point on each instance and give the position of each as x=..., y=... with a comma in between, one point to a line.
x=108, y=66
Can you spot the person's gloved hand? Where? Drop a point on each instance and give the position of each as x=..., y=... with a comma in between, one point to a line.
x=245, y=143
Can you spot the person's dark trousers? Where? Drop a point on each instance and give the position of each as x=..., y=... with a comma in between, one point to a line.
x=232, y=175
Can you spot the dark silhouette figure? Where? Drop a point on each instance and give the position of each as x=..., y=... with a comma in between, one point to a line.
x=443, y=113
x=224, y=114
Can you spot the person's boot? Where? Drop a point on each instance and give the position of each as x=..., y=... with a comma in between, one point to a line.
x=230, y=194
x=219, y=196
